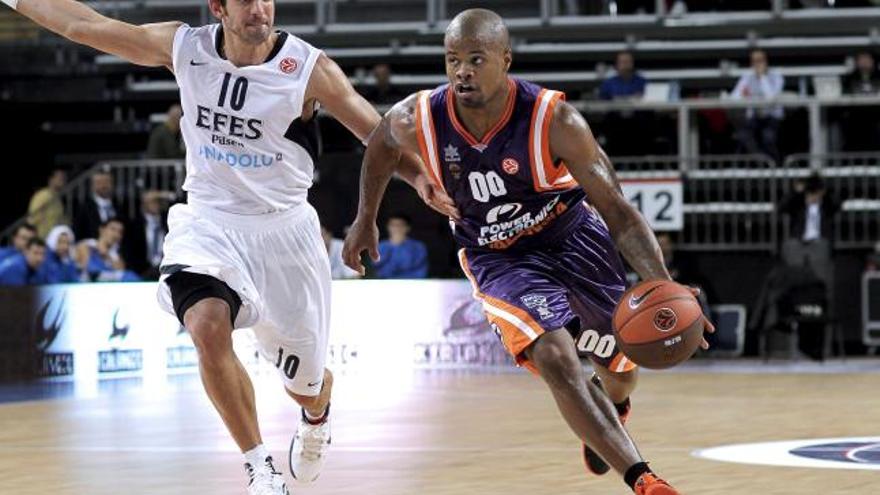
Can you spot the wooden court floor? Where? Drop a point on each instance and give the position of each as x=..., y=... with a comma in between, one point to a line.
x=440, y=433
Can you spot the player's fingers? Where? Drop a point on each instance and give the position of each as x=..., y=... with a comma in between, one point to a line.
x=351, y=258
x=374, y=253
x=709, y=327
x=704, y=345
x=695, y=291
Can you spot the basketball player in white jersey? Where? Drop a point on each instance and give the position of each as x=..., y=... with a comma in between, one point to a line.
x=246, y=251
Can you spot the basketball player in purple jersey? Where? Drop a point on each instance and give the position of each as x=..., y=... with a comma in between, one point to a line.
x=540, y=217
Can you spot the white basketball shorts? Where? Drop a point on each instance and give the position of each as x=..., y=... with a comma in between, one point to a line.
x=278, y=265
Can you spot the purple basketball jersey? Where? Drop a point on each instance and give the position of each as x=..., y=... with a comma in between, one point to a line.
x=507, y=187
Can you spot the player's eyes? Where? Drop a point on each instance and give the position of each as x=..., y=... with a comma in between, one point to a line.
x=477, y=60
x=451, y=61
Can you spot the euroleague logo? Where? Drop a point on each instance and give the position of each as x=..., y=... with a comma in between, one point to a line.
x=835, y=453
x=288, y=65
x=665, y=319
x=510, y=165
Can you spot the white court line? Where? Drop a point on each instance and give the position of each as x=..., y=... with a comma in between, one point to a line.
x=351, y=449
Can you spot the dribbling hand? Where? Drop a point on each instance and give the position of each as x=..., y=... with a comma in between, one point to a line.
x=708, y=326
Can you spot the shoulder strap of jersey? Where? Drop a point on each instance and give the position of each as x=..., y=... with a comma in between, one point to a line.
x=546, y=175
x=425, y=131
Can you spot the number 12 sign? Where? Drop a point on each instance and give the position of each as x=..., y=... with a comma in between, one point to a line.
x=661, y=201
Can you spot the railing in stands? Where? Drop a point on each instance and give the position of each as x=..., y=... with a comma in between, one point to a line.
x=853, y=179
x=729, y=200
x=130, y=180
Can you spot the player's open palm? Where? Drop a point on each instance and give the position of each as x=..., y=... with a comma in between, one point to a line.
x=362, y=236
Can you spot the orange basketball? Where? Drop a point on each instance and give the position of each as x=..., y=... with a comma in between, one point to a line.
x=658, y=324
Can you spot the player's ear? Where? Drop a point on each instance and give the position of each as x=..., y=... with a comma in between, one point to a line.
x=217, y=8
x=508, y=59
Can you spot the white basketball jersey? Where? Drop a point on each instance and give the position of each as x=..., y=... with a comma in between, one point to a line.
x=248, y=151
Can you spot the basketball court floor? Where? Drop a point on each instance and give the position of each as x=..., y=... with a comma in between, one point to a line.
x=451, y=433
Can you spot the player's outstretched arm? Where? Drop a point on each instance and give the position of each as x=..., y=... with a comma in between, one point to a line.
x=149, y=44
x=394, y=135
x=330, y=86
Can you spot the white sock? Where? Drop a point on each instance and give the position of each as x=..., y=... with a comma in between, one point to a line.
x=315, y=418
x=256, y=457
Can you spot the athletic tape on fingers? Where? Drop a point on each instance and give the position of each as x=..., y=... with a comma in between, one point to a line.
x=11, y=3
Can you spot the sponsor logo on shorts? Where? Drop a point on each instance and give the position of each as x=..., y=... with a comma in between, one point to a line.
x=665, y=319
x=538, y=303
x=288, y=65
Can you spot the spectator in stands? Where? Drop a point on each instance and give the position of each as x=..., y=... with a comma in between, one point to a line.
x=865, y=78
x=24, y=268
x=860, y=126
x=761, y=129
x=626, y=83
x=23, y=234
x=165, y=141
x=46, y=209
x=383, y=93
x=142, y=248
x=59, y=267
x=100, y=257
x=97, y=208
x=338, y=270
x=400, y=256
x=617, y=127
x=810, y=210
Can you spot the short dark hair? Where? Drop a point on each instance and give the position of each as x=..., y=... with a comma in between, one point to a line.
x=26, y=226
x=36, y=241
x=112, y=220
x=814, y=184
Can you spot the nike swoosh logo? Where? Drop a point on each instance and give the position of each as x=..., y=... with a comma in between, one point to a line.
x=314, y=384
x=193, y=62
x=635, y=302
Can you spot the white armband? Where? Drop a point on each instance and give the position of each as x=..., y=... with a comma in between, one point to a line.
x=12, y=3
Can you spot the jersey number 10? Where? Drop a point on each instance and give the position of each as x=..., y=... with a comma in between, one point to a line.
x=239, y=92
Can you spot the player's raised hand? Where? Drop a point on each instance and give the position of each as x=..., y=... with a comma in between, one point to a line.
x=709, y=327
x=436, y=198
x=362, y=236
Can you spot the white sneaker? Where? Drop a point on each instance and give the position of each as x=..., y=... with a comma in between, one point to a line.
x=265, y=480
x=308, y=450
